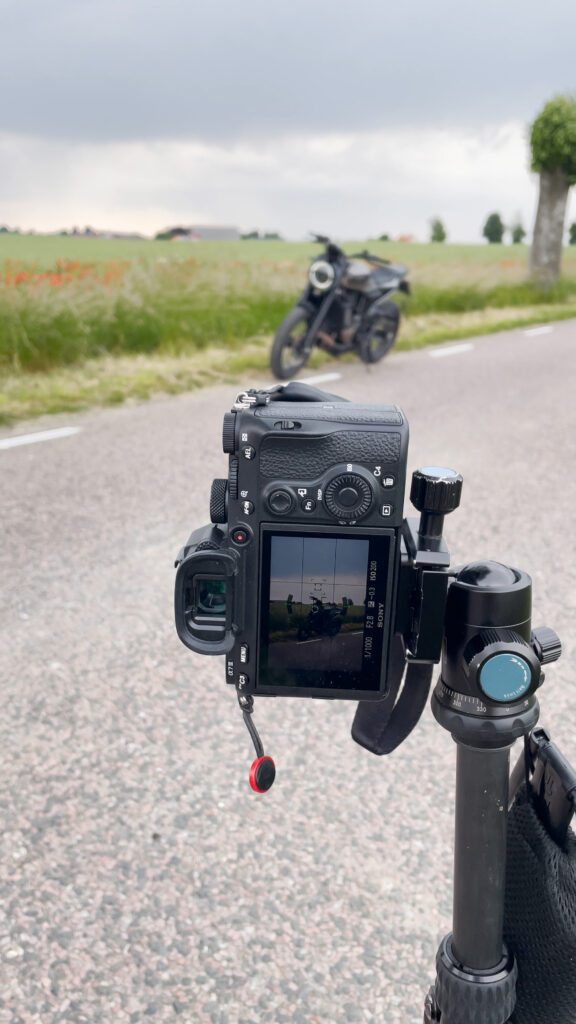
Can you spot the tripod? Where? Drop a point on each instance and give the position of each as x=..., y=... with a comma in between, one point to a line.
x=489, y=646
x=477, y=622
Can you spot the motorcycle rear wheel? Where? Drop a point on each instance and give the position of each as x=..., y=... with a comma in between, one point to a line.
x=381, y=335
x=286, y=356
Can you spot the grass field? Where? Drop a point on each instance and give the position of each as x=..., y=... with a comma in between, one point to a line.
x=91, y=321
x=438, y=265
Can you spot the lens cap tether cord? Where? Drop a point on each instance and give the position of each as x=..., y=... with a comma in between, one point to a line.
x=263, y=769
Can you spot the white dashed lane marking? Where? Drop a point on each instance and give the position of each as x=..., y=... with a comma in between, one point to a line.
x=36, y=438
x=533, y=332
x=451, y=350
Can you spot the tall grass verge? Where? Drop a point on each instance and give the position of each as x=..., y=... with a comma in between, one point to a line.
x=80, y=312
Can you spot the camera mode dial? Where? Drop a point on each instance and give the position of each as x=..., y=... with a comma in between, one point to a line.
x=348, y=496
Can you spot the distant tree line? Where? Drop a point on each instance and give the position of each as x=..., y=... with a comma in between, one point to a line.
x=261, y=236
x=493, y=230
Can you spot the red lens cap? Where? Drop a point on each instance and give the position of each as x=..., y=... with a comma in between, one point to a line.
x=262, y=774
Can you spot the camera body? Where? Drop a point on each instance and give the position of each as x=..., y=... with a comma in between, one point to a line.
x=295, y=582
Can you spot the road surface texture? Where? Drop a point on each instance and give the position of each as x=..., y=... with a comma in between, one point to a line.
x=141, y=879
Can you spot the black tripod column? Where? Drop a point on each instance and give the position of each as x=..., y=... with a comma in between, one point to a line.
x=480, y=855
x=475, y=973
x=486, y=699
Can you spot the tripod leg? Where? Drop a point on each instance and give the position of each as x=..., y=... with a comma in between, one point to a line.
x=475, y=976
x=480, y=855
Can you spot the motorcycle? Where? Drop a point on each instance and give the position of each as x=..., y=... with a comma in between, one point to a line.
x=322, y=619
x=345, y=307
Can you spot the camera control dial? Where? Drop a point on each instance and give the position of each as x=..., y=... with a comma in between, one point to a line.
x=229, y=433
x=219, y=501
x=348, y=496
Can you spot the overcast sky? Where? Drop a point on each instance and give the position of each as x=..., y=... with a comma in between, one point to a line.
x=352, y=117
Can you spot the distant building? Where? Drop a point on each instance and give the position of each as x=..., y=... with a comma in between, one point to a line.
x=215, y=233
x=200, y=232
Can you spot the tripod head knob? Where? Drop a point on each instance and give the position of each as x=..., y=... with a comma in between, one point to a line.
x=547, y=644
x=436, y=490
x=502, y=665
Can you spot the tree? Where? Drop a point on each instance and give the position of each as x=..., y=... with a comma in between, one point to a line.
x=553, y=145
x=494, y=228
x=573, y=233
x=437, y=230
x=384, y=238
x=517, y=232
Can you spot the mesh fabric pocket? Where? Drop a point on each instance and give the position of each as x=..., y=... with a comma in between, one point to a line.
x=540, y=921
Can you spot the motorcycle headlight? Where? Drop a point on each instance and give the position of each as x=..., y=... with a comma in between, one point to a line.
x=321, y=275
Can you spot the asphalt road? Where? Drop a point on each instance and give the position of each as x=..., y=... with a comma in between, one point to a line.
x=343, y=652
x=140, y=878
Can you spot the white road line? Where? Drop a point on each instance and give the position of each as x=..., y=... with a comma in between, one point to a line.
x=534, y=331
x=451, y=350
x=41, y=435
x=321, y=378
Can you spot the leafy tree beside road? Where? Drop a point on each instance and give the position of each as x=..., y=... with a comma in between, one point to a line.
x=553, y=144
x=573, y=233
x=493, y=230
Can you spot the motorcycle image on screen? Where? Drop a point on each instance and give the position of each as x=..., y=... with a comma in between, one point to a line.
x=323, y=619
x=345, y=307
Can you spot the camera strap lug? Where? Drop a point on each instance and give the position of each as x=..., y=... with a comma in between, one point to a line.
x=263, y=769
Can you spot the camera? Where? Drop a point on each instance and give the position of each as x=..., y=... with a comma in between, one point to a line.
x=295, y=580
x=308, y=568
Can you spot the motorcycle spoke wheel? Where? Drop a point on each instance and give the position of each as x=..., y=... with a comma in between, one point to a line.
x=288, y=355
x=380, y=340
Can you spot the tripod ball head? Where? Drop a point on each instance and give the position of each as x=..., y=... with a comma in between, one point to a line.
x=491, y=661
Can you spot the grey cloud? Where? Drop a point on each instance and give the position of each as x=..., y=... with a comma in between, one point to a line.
x=129, y=69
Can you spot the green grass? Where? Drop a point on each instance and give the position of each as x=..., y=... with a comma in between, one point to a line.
x=436, y=264
x=86, y=321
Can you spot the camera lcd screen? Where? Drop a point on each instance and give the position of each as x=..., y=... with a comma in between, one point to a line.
x=324, y=611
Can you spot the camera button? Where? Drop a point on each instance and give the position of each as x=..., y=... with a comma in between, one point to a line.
x=247, y=507
x=243, y=681
x=388, y=481
x=308, y=505
x=248, y=452
x=240, y=535
x=280, y=502
x=243, y=654
x=386, y=511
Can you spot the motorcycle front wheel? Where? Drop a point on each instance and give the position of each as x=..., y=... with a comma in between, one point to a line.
x=287, y=355
x=380, y=336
